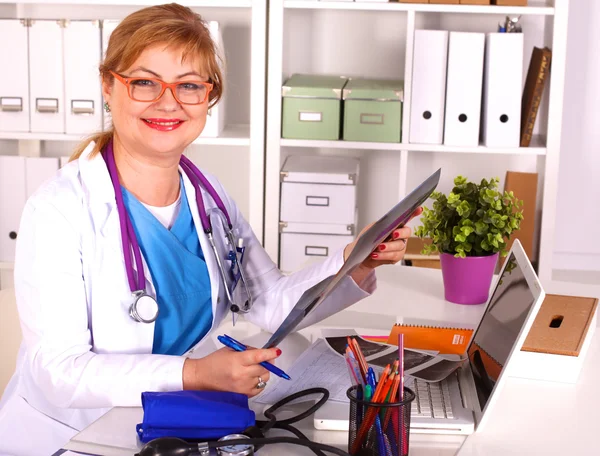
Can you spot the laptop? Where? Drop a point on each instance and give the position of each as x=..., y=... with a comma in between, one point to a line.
x=460, y=403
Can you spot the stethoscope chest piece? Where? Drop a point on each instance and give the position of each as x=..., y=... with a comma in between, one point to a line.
x=144, y=308
x=235, y=450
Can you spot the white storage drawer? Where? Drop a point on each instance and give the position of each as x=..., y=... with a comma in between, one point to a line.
x=301, y=249
x=318, y=189
x=317, y=203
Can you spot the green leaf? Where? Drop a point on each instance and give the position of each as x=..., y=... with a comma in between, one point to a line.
x=467, y=230
x=473, y=219
x=460, y=180
x=453, y=199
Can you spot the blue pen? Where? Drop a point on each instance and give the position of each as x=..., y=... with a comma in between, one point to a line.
x=380, y=437
x=240, y=347
x=371, y=377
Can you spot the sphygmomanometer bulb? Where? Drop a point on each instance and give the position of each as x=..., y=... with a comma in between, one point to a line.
x=168, y=446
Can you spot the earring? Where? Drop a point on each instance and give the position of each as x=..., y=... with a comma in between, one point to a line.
x=106, y=107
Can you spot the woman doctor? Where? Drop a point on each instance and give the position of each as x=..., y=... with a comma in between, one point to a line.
x=127, y=222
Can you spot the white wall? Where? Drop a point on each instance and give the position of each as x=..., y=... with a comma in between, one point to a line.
x=578, y=208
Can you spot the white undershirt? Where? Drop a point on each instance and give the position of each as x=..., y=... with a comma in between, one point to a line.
x=166, y=215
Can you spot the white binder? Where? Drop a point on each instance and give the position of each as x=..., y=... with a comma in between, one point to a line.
x=428, y=86
x=502, y=89
x=82, y=83
x=14, y=92
x=37, y=171
x=463, y=90
x=46, y=78
x=215, y=120
x=108, y=26
x=12, y=201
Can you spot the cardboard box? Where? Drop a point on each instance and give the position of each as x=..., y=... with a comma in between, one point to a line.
x=312, y=106
x=524, y=186
x=558, y=340
x=414, y=257
x=510, y=2
x=373, y=110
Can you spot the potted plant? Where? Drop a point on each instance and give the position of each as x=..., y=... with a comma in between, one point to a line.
x=470, y=228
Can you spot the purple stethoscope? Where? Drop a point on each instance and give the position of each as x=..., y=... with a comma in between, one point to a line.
x=144, y=308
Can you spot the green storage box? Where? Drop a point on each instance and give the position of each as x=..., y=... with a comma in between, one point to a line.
x=373, y=110
x=312, y=106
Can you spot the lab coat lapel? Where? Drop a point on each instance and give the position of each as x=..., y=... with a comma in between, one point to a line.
x=103, y=205
x=209, y=257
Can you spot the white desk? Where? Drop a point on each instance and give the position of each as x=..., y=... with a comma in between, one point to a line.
x=530, y=418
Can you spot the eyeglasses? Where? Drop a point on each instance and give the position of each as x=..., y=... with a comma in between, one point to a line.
x=150, y=89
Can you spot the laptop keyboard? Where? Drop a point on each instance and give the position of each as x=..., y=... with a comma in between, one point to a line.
x=432, y=400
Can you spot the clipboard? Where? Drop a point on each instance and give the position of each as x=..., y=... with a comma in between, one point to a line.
x=368, y=241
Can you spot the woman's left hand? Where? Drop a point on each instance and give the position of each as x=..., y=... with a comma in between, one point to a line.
x=389, y=252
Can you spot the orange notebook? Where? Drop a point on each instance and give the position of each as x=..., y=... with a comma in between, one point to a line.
x=441, y=339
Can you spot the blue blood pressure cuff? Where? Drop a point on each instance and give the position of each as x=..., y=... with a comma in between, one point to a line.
x=193, y=415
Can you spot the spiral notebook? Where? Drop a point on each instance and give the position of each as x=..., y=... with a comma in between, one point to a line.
x=444, y=340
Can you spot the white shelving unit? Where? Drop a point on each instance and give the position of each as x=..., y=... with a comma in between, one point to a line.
x=244, y=29
x=376, y=40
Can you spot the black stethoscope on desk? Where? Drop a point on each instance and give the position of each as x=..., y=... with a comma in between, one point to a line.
x=144, y=308
x=252, y=438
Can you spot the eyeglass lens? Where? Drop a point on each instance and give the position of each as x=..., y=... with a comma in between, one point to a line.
x=186, y=92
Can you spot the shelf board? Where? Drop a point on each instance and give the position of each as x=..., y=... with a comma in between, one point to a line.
x=190, y=3
x=537, y=147
x=232, y=135
x=420, y=7
x=7, y=265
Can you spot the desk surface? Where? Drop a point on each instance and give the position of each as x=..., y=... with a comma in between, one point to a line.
x=531, y=417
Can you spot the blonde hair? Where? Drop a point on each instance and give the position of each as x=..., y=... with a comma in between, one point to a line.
x=174, y=25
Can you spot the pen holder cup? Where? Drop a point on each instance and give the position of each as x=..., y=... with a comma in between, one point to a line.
x=373, y=425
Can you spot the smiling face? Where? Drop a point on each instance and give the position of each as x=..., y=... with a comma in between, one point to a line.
x=165, y=127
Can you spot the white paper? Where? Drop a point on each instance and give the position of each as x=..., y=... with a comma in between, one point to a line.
x=318, y=366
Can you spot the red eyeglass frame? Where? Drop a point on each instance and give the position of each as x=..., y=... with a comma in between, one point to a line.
x=164, y=86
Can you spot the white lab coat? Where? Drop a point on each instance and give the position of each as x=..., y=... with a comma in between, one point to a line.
x=82, y=353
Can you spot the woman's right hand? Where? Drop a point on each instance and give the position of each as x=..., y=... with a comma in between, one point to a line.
x=228, y=370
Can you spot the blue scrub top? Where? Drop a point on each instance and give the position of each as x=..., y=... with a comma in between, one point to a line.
x=179, y=273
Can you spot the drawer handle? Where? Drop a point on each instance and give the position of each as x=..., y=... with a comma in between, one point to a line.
x=46, y=104
x=82, y=107
x=313, y=250
x=375, y=119
x=11, y=104
x=310, y=116
x=322, y=201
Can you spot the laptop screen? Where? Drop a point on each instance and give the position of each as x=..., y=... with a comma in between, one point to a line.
x=499, y=329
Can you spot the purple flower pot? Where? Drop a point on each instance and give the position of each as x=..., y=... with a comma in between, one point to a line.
x=467, y=280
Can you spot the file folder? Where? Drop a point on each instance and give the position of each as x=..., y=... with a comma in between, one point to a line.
x=83, y=110
x=215, y=118
x=502, y=89
x=37, y=171
x=108, y=26
x=14, y=95
x=428, y=87
x=12, y=201
x=46, y=77
x=463, y=90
